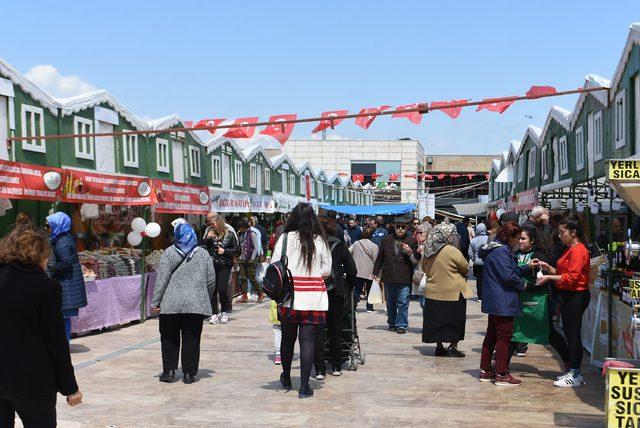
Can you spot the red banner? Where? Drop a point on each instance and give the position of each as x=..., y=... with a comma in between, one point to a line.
x=495, y=105
x=307, y=187
x=413, y=116
x=280, y=132
x=357, y=177
x=536, y=91
x=89, y=187
x=452, y=112
x=366, y=121
x=327, y=121
x=23, y=181
x=178, y=198
x=394, y=177
x=208, y=123
x=243, y=130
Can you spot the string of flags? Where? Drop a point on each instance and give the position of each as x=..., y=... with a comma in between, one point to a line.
x=281, y=126
x=423, y=176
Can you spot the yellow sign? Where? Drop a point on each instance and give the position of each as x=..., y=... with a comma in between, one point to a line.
x=624, y=170
x=623, y=398
x=634, y=288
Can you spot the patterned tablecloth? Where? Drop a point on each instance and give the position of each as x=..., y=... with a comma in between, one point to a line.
x=111, y=302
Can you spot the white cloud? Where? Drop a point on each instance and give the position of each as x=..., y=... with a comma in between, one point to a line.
x=48, y=78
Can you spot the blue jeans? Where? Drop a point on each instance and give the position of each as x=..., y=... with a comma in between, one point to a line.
x=67, y=328
x=397, y=296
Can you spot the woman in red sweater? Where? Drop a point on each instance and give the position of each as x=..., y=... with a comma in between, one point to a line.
x=571, y=277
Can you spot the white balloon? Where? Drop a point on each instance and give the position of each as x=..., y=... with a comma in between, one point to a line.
x=134, y=239
x=152, y=230
x=138, y=225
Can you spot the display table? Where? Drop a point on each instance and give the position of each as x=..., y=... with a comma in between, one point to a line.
x=111, y=302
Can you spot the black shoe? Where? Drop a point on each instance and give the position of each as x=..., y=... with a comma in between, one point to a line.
x=392, y=328
x=441, y=352
x=167, y=376
x=455, y=353
x=401, y=330
x=286, y=382
x=188, y=378
x=305, y=392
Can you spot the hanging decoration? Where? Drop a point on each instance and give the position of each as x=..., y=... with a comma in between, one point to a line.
x=328, y=121
x=357, y=177
x=394, y=177
x=538, y=91
x=414, y=117
x=140, y=229
x=280, y=132
x=210, y=124
x=368, y=115
x=410, y=176
x=452, y=112
x=495, y=105
x=242, y=131
x=375, y=176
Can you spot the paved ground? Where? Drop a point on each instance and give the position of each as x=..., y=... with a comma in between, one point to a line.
x=401, y=383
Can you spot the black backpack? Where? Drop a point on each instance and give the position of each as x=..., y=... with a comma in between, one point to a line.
x=330, y=281
x=278, y=281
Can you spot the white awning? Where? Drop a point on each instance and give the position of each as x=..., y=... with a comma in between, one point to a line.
x=473, y=209
x=505, y=176
x=555, y=186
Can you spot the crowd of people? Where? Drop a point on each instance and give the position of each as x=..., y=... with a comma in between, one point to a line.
x=525, y=275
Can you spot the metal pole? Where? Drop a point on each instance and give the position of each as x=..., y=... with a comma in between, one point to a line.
x=610, y=255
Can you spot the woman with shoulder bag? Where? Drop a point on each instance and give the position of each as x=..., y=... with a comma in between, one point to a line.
x=184, y=286
x=419, y=281
x=365, y=253
x=309, y=261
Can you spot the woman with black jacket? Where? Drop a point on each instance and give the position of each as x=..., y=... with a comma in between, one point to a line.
x=35, y=363
x=222, y=245
x=341, y=281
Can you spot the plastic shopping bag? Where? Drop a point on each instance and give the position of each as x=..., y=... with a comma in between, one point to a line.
x=375, y=294
x=423, y=286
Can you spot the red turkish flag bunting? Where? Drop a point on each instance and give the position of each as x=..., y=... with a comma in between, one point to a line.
x=242, y=131
x=394, y=177
x=327, y=122
x=441, y=176
x=357, y=177
x=208, y=123
x=368, y=115
x=375, y=176
x=486, y=176
x=427, y=177
x=452, y=112
x=413, y=116
x=470, y=176
x=280, y=132
x=343, y=174
x=537, y=91
x=410, y=176
x=495, y=105
x=188, y=123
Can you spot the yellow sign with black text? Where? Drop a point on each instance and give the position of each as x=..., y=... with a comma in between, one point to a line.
x=634, y=288
x=623, y=398
x=624, y=170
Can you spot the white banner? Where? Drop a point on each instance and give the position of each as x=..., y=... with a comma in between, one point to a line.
x=262, y=204
x=229, y=202
x=285, y=203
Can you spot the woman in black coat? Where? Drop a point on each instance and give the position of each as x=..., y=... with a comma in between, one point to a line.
x=341, y=281
x=35, y=363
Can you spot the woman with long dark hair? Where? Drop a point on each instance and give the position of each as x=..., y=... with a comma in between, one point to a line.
x=309, y=260
x=571, y=277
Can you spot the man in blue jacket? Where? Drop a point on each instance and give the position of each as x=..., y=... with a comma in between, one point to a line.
x=379, y=232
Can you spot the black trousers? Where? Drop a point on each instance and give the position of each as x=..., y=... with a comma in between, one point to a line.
x=572, y=307
x=334, y=331
x=172, y=327
x=34, y=412
x=477, y=272
x=221, y=293
x=362, y=284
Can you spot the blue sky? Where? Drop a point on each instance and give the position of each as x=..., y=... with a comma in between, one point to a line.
x=204, y=59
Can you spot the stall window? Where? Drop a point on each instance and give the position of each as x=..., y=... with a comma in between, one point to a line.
x=162, y=155
x=84, y=145
x=520, y=170
x=532, y=162
x=267, y=178
x=579, y=148
x=598, y=136
x=333, y=194
x=237, y=176
x=303, y=184
x=216, y=170
x=543, y=162
x=253, y=175
x=564, y=161
x=313, y=188
x=292, y=184
x=130, y=148
x=619, y=128
x=33, y=126
x=194, y=161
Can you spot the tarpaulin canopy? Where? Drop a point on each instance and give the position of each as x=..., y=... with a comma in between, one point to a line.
x=390, y=209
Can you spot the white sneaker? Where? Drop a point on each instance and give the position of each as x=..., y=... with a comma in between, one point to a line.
x=562, y=375
x=319, y=376
x=336, y=373
x=225, y=318
x=215, y=319
x=569, y=381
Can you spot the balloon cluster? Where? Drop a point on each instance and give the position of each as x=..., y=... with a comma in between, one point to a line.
x=140, y=229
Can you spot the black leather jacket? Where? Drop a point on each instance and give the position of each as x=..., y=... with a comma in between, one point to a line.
x=229, y=243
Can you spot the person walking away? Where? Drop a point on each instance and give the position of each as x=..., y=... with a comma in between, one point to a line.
x=340, y=281
x=277, y=332
x=364, y=253
x=24, y=221
x=394, y=270
x=445, y=308
x=262, y=234
x=502, y=281
x=35, y=363
x=421, y=234
x=571, y=277
x=477, y=242
x=309, y=261
x=222, y=246
x=64, y=267
x=184, y=287
x=249, y=258
x=379, y=232
x=533, y=325
x=463, y=232
x=354, y=230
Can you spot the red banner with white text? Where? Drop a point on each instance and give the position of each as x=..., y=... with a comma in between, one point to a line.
x=88, y=187
x=23, y=181
x=181, y=198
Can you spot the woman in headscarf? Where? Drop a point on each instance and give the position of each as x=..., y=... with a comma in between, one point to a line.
x=64, y=267
x=445, y=305
x=421, y=234
x=184, y=286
